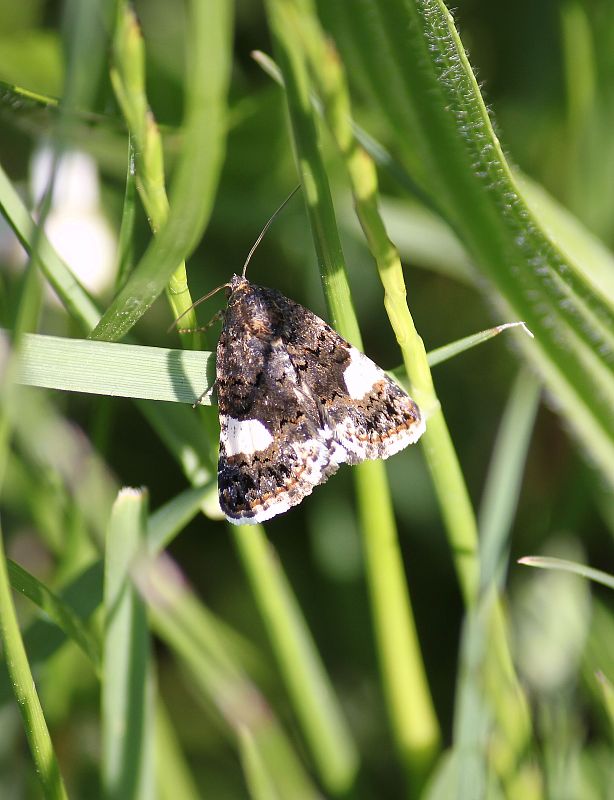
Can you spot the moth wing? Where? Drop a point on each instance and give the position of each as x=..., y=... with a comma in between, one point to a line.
x=273, y=450
x=367, y=414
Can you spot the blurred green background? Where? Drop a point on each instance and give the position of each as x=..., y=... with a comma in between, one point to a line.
x=546, y=71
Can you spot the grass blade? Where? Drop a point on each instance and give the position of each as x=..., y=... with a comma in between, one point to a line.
x=126, y=231
x=504, y=478
x=168, y=520
x=259, y=782
x=119, y=370
x=441, y=354
x=425, y=87
x=128, y=79
x=608, y=697
x=549, y=562
x=185, y=626
x=127, y=724
x=82, y=596
x=174, y=779
x=490, y=703
x=154, y=373
x=196, y=171
x=56, y=610
x=324, y=727
x=24, y=689
x=414, y=726
x=68, y=288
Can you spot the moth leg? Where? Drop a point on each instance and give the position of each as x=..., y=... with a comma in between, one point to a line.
x=202, y=328
x=206, y=393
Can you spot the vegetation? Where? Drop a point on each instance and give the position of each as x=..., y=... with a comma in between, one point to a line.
x=382, y=639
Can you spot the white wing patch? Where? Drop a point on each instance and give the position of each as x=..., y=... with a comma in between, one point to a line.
x=360, y=375
x=247, y=436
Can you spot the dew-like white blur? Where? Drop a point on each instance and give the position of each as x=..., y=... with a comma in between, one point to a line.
x=75, y=224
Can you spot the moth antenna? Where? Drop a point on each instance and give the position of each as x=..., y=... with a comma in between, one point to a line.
x=266, y=227
x=247, y=260
x=197, y=303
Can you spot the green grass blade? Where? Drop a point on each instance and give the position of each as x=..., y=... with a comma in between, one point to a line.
x=414, y=726
x=168, y=520
x=24, y=689
x=157, y=373
x=119, y=370
x=182, y=432
x=126, y=232
x=413, y=719
x=56, y=445
x=127, y=723
x=548, y=562
x=185, y=626
x=503, y=482
x=441, y=354
x=128, y=79
x=316, y=189
x=174, y=779
x=473, y=716
x=580, y=63
x=56, y=610
x=324, y=727
x=42, y=639
x=425, y=87
x=490, y=704
x=196, y=171
x=67, y=610
x=608, y=697
x=260, y=784
x=73, y=295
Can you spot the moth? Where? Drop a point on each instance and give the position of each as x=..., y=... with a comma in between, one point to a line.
x=296, y=401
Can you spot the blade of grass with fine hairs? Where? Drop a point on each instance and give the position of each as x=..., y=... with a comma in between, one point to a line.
x=437, y=445
x=409, y=704
x=423, y=84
